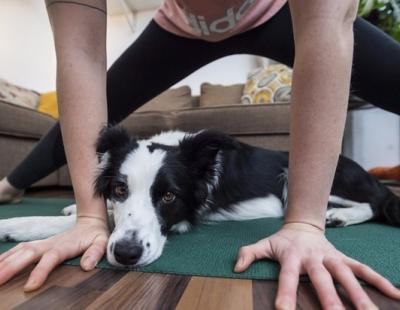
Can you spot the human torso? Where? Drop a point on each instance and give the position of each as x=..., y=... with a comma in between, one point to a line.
x=214, y=20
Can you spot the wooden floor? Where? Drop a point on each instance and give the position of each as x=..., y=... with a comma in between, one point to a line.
x=71, y=288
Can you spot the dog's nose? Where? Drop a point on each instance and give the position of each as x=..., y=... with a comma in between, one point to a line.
x=127, y=252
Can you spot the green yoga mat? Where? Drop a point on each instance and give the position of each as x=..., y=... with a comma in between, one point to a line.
x=210, y=250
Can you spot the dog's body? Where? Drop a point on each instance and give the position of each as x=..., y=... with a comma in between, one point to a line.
x=175, y=180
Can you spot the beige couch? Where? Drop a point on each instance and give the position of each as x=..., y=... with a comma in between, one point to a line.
x=217, y=107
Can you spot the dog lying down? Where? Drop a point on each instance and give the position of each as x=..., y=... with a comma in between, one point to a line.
x=174, y=180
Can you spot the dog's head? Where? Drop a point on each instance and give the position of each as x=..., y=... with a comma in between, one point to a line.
x=155, y=186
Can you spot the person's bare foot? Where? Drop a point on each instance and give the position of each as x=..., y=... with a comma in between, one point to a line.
x=8, y=193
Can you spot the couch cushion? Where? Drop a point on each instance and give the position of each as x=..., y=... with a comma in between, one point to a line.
x=18, y=95
x=275, y=142
x=236, y=119
x=145, y=124
x=172, y=99
x=220, y=95
x=23, y=122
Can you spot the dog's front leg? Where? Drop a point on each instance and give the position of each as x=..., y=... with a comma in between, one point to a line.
x=34, y=227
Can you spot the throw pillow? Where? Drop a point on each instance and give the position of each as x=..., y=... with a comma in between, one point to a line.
x=268, y=85
x=18, y=95
x=48, y=104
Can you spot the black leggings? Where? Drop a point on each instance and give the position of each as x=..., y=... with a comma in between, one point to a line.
x=158, y=59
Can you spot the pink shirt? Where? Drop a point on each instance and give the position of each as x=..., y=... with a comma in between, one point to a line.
x=214, y=20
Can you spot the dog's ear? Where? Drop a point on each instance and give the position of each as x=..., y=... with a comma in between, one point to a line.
x=199, y=151
x=111, y=138
x=112, y=146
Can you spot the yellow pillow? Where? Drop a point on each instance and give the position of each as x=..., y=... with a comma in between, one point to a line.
x=48, y=104
x=268, y=85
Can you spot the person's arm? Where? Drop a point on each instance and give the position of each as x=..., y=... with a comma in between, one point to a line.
x=79, y=29
x=80, y=40
x=323, y=34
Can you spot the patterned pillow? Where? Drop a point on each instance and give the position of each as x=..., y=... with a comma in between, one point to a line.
x=18, y=95
x=268, y=85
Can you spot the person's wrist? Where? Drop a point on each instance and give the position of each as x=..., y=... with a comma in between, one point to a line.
x=304, y=226
x=91, y=208
x=92, y=219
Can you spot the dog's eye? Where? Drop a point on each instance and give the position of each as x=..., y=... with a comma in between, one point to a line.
x=168, y=197
x=120, y=190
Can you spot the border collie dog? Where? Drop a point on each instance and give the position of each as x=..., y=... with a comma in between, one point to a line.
x=174, y=180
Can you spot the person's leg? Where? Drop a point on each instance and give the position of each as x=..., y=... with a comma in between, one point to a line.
x=153, y=63
x=376, y=63
x=45, y=157
x=376, y=67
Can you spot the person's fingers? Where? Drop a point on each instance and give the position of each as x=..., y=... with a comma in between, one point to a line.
x=94, y=253
x=11, y=251
x=344, y=275
x=249, y=253
x=17, y=262
x=42, y=270
x=288, y=283
x=51, y=252
x=245, y=257
x=370, y=276
x=323, y=284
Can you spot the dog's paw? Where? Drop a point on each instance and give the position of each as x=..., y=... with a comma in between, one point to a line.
x=359, y=213
x=9, y=230
x=69, y=210
x=336, y=217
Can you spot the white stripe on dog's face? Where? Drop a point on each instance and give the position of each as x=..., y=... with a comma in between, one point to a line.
x=136, y=220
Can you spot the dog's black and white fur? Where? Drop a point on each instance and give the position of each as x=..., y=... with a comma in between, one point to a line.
x=174, y=180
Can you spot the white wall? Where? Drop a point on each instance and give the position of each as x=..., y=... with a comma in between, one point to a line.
x=373, y=138
x=27, y=55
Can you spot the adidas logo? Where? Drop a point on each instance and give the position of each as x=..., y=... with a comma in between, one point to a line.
x=220, y=25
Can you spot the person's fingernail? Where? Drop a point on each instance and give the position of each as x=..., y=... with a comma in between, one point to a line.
x=238, y=264
x=283, y=305
x=30, y=284
x=88, y=263
x=368, y=306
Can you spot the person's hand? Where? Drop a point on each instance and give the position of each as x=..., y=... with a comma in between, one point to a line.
x=88, y=236
x=303, y=249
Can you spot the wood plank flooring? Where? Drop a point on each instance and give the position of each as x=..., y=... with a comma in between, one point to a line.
x=71, y=288
x=68, y=287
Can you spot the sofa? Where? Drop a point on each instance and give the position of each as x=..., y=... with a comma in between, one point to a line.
x=217, y=106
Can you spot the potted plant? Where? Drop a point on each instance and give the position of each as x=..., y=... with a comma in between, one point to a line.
x=385, y=14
